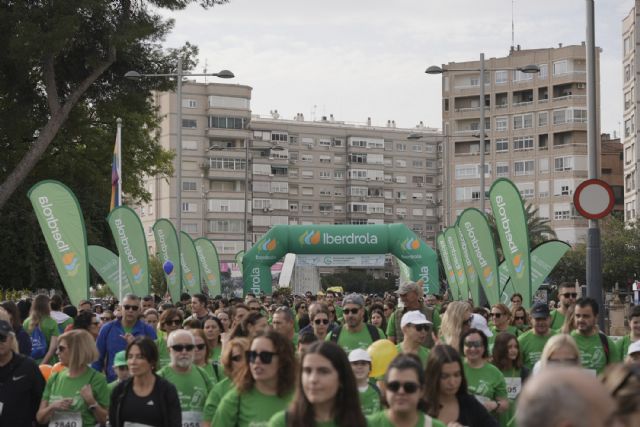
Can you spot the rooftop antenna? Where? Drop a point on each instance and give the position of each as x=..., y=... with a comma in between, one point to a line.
x=206, y=64
x=513, y=43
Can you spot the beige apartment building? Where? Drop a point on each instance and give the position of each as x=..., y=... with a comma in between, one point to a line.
x=630, y=115
x=535, y=127
x=298, y=171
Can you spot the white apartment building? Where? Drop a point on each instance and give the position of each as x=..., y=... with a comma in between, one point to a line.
x=630, y=115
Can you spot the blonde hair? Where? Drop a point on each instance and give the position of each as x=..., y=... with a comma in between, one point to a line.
x=555, y=343
x=225, y=358
x=81, y=347
x=453, y=321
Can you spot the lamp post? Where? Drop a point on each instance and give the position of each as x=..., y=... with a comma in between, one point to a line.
x=528, y=69
x=179, y=74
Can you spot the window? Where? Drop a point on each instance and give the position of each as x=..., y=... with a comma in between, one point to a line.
x=401, y=163
x=225, y=226
x=544, y=71
x=543, y=165
x=230, y=163
x=467, y=171
x=188, y=186
x=543, y=190
x=189, y=103
x=307, y=173
x=526, y=189
x=279, y=187
x=325, y=174
x=417, y=148
x=417, y=163
x=325, y=159
x=519, y=76
x=502, y=169
x=338, y=174
x=189, y=207
x=226, y=122
x=502, y=145
x=218, y=101
x=560, y=67
x=524, y=167
x=401, y=147
x=502, y=77
x=189, y=145
x=279, y=137
x=306, y=157
x=189, y=123
x=561, y=212
x=563, y=164
x=523, y=121
x=523, y=143
x=502, y=124
x=307, y=191
x=628, y=71
x=543, y=118
x=324, y=142
x=629, y=127
x=627, y=44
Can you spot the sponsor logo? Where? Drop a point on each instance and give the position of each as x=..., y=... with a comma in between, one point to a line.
x=187, y=274
x=269, y=245
x=424, y=275
x=487, y=273
x=203, y=263
x=310, y=237
x=411, y=244
x=505, y=224
x=70, y=261
x=136, y=272
x=71, y=264
x=475, y=245
x=518, y=264
x=255, y=280
x=313, y=237
x=124, y=242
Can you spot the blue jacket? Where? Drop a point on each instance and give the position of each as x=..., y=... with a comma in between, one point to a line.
x=110, y=342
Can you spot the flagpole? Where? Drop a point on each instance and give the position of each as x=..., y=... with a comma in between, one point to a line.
x=119, y=167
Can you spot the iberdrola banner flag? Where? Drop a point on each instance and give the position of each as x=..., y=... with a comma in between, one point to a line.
x=128, y=233
x=470, y=270
x=446, y=263
x=62, y=224
x=477, y=236
x=168, y=249
x=209, y=265
x=451, y=237
x=105, y=263
x=190, y=265
x=511, y=221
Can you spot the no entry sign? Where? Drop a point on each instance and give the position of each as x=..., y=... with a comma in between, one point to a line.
x=594, y=199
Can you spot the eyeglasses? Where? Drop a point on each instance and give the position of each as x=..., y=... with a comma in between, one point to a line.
x=519, y=317
x=200, y=346
x=61, y=348
x=473, y=344
x=408, y=387
x=496, y=315
x=174, y=322
x=265, y=356
x=128, y=307
x=321, y=321
x=570, y=295
x=421, y=327
x=182, y=347
x=236, y=357
x=351, y=310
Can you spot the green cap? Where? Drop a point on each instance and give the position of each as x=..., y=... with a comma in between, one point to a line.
x=120, y=359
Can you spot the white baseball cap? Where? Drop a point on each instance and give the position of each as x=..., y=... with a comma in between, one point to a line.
x=359, y=355
x=414, y=317
x=480, y=323
x=633, y=348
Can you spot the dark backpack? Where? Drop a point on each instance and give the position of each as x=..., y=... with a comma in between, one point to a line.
x=605, y=345
x=373, y=331
x=38, y=343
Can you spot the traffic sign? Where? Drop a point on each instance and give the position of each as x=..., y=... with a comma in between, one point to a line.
x=594, y=199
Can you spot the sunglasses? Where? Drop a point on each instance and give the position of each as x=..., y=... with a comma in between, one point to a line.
x=519, y=317
x=351, y=310
x=236, y=358
x=496, y=315
x=408, y=387
x=265, y=356
x=200, y=346
x=182, y=347
x=570, y=295
x=421, y=327
x=130, y=307
x=473, y=344
x=174, y=322
x=321, y=321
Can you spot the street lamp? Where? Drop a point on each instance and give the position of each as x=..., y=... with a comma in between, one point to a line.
x=528, y=69
x=135, y=75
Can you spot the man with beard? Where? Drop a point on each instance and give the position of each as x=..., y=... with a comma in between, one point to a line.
x=355, y=333
x=192, y=382
x=567, y=295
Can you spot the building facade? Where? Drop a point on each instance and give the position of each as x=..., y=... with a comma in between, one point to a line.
x=630, y=114
x=291, y=171
x=535, y=127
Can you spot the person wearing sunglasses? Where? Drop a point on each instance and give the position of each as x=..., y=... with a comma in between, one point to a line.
x=484, y=380
x=144, y=399
x=520, y=319
x=447, y=395
x=171, y=320
x=410, y=294
x=403, y=390
x=355, y=333
x=414, y=328
x=233, y=361
x=567, y=295
x=501, y=319
x=370, y=398
x=533, y=341
x=115, y=336
x=264, y=386
x=77, y=395
x=326, y=394
x=192, y=382
x=320, y=320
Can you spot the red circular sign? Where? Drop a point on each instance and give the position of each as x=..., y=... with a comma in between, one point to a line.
x=594, y=199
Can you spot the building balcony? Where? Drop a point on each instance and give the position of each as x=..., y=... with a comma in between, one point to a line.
x=226, y=174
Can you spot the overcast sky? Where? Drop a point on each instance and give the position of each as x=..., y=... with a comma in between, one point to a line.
x=366, y=58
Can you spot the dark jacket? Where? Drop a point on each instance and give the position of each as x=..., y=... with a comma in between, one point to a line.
x=473, y=413
x=24, y=341
x=21, y=387
x=170, y=407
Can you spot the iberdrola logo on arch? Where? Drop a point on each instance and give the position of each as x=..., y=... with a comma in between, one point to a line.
x=71, y=263
x=411, y=244
x=310, y=237
x=265, y=249
x=268, y=245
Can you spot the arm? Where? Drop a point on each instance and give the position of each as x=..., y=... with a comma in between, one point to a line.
x=391, y=328
x=53, y=345
x=46, y=410
x=101, y=344
x=37, y=388
x=173, y=406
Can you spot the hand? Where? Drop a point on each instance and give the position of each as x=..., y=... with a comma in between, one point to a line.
x=87, y=394
x=127, y=337
x=62, y=404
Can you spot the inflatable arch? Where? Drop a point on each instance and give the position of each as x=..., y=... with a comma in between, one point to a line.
x=396, y=239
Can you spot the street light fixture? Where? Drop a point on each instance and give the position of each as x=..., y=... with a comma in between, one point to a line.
x=528, y=69
x=179, y=74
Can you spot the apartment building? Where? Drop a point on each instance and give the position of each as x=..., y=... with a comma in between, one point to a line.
x=611, y=169
x=289, y=171
x=630, y=115
x=535, y=127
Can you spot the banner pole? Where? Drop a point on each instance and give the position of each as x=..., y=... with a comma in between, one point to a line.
x=119, y=160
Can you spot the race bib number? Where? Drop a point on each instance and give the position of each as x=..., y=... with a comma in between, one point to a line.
x=66, y=419
x=191, y=418
x=514, y=386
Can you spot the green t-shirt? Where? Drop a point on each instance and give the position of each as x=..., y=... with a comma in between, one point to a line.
x=49, y=328
x=279, y=420
x=514, y=387
x=248, y=409
x=60, y=386
x=486, y=383
x=381, y=419
x=351, y=341
x=211, y=372
x=531, y=346
x=193, y=387
x=557, y=320
x=112, y=385
x=592, y=354
x=423, y=353
x=164, y=358
x=370, y=400
x=622, y=347
x=216, y=353
x=216, y=394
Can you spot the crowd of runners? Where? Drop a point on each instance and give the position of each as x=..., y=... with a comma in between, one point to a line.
x=308, y=360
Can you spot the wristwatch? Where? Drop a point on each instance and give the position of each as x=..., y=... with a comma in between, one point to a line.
x=93, y=407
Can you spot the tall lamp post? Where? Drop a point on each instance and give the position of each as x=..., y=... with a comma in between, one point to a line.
x=179, y=74
x=528, y=69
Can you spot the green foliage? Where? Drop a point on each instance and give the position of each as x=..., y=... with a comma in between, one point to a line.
x=359, y=281
x=158, y=281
